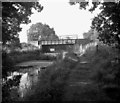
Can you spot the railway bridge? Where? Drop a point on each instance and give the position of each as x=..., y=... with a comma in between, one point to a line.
x=62, y=45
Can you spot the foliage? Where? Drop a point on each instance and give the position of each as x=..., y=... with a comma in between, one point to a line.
x=106, y=69
x=91, y=34
x=41, y=30
x=27, y=47
x=7, y=64
x=18, y=57
x=107, y=22
x=6, y=89
x=13, y=14
x=107, y=75
x=51, y=82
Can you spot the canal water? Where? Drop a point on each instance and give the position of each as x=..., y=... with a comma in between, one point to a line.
x=22, y=81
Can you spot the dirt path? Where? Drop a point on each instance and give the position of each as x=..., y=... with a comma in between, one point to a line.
x=80, y=87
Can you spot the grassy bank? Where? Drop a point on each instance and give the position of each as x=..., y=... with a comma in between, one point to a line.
x=106, y=70
x=18, y=57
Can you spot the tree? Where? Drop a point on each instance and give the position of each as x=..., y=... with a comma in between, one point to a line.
x=33, y=32
x=42, y=30
x=87, y=35
x=92, y=34
x=13, y=14
x=107, y=22
x=49, y=33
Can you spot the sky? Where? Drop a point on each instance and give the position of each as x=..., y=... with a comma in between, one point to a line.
x=60, y=15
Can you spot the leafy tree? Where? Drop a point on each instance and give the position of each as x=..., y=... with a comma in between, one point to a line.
x=13, y=14
x=33, y=32
x=88, y=34
x=48, y=33
x=91, y=34
x=39, y=30
x=107, y=22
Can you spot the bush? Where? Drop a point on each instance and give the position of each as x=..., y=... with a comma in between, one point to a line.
x=18, y=57
x=107, y=73
x=7, y=64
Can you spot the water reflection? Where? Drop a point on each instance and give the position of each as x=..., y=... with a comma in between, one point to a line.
x=22, y=81
x=27, y=80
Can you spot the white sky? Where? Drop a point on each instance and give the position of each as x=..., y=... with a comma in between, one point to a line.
x=60, y=15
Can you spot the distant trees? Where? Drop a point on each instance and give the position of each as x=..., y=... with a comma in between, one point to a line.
x=107, y=22
x=42, y=31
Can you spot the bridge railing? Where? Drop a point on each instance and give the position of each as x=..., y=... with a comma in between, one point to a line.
x=55, y=42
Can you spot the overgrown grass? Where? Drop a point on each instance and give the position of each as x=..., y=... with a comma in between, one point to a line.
x=106, y=72
x=52, y=81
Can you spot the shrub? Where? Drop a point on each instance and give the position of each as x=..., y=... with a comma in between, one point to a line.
x=18, y=57
x=7, y=64
x=107, y=74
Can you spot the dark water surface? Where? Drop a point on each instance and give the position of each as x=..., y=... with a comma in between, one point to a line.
x=21, y=81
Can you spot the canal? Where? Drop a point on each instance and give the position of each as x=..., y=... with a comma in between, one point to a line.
x=22, y=80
